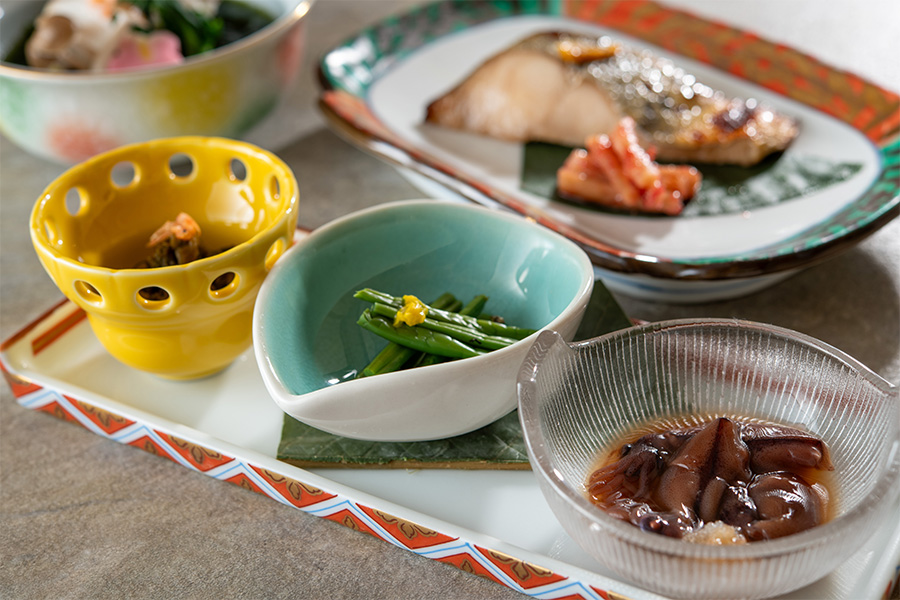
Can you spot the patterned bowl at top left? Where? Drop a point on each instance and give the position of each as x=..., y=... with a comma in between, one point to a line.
x=69, y=116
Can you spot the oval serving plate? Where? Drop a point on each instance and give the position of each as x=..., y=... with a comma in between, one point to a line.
x=376, y=87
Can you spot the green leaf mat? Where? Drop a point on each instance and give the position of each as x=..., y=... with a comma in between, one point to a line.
x=725, y=189
x=496, y=446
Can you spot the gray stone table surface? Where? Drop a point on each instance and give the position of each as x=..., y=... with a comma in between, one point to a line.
x=82, y=517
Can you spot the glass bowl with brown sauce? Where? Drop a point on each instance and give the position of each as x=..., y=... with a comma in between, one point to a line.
x=711, y=458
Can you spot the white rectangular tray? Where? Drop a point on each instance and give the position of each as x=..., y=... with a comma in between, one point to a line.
x=226, y=426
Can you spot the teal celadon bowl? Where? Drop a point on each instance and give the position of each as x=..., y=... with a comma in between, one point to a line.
x=309, y=346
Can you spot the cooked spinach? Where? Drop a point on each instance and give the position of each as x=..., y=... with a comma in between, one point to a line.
x=233, y=21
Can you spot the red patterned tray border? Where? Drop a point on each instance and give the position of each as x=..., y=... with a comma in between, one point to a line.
x=497, y=566
x=470, y=557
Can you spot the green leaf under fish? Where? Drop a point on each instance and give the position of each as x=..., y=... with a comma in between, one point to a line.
x=496, y=446
x=725, y=189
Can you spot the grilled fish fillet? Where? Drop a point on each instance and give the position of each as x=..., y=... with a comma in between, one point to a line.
x=562, y=88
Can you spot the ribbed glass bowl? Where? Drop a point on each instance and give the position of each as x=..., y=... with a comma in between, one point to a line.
x=576, y=400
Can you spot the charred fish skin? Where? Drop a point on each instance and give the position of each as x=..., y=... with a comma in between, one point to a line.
x=561, y=88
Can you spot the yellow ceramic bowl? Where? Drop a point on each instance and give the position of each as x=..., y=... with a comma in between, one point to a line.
x=90, y=228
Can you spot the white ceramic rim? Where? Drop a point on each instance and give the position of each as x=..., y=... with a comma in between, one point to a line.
x=281, y=393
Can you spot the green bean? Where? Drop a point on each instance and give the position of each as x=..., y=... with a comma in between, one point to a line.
x=474, y=307
x=420, y=357
x=373, y=296
x=453, y=307
x=418, y=338
x=484, y=326
x=393, y=356
x=467, y=335
x=426, y=360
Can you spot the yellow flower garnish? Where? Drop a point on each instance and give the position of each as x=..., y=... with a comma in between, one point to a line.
x=413, y=312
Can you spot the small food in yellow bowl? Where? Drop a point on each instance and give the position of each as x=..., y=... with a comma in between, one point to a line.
x=96, y=226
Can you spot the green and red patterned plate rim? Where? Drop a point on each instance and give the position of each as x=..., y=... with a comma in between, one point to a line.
x=348, y=71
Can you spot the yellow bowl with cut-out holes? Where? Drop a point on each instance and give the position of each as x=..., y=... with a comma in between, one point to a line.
x=91, y=226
